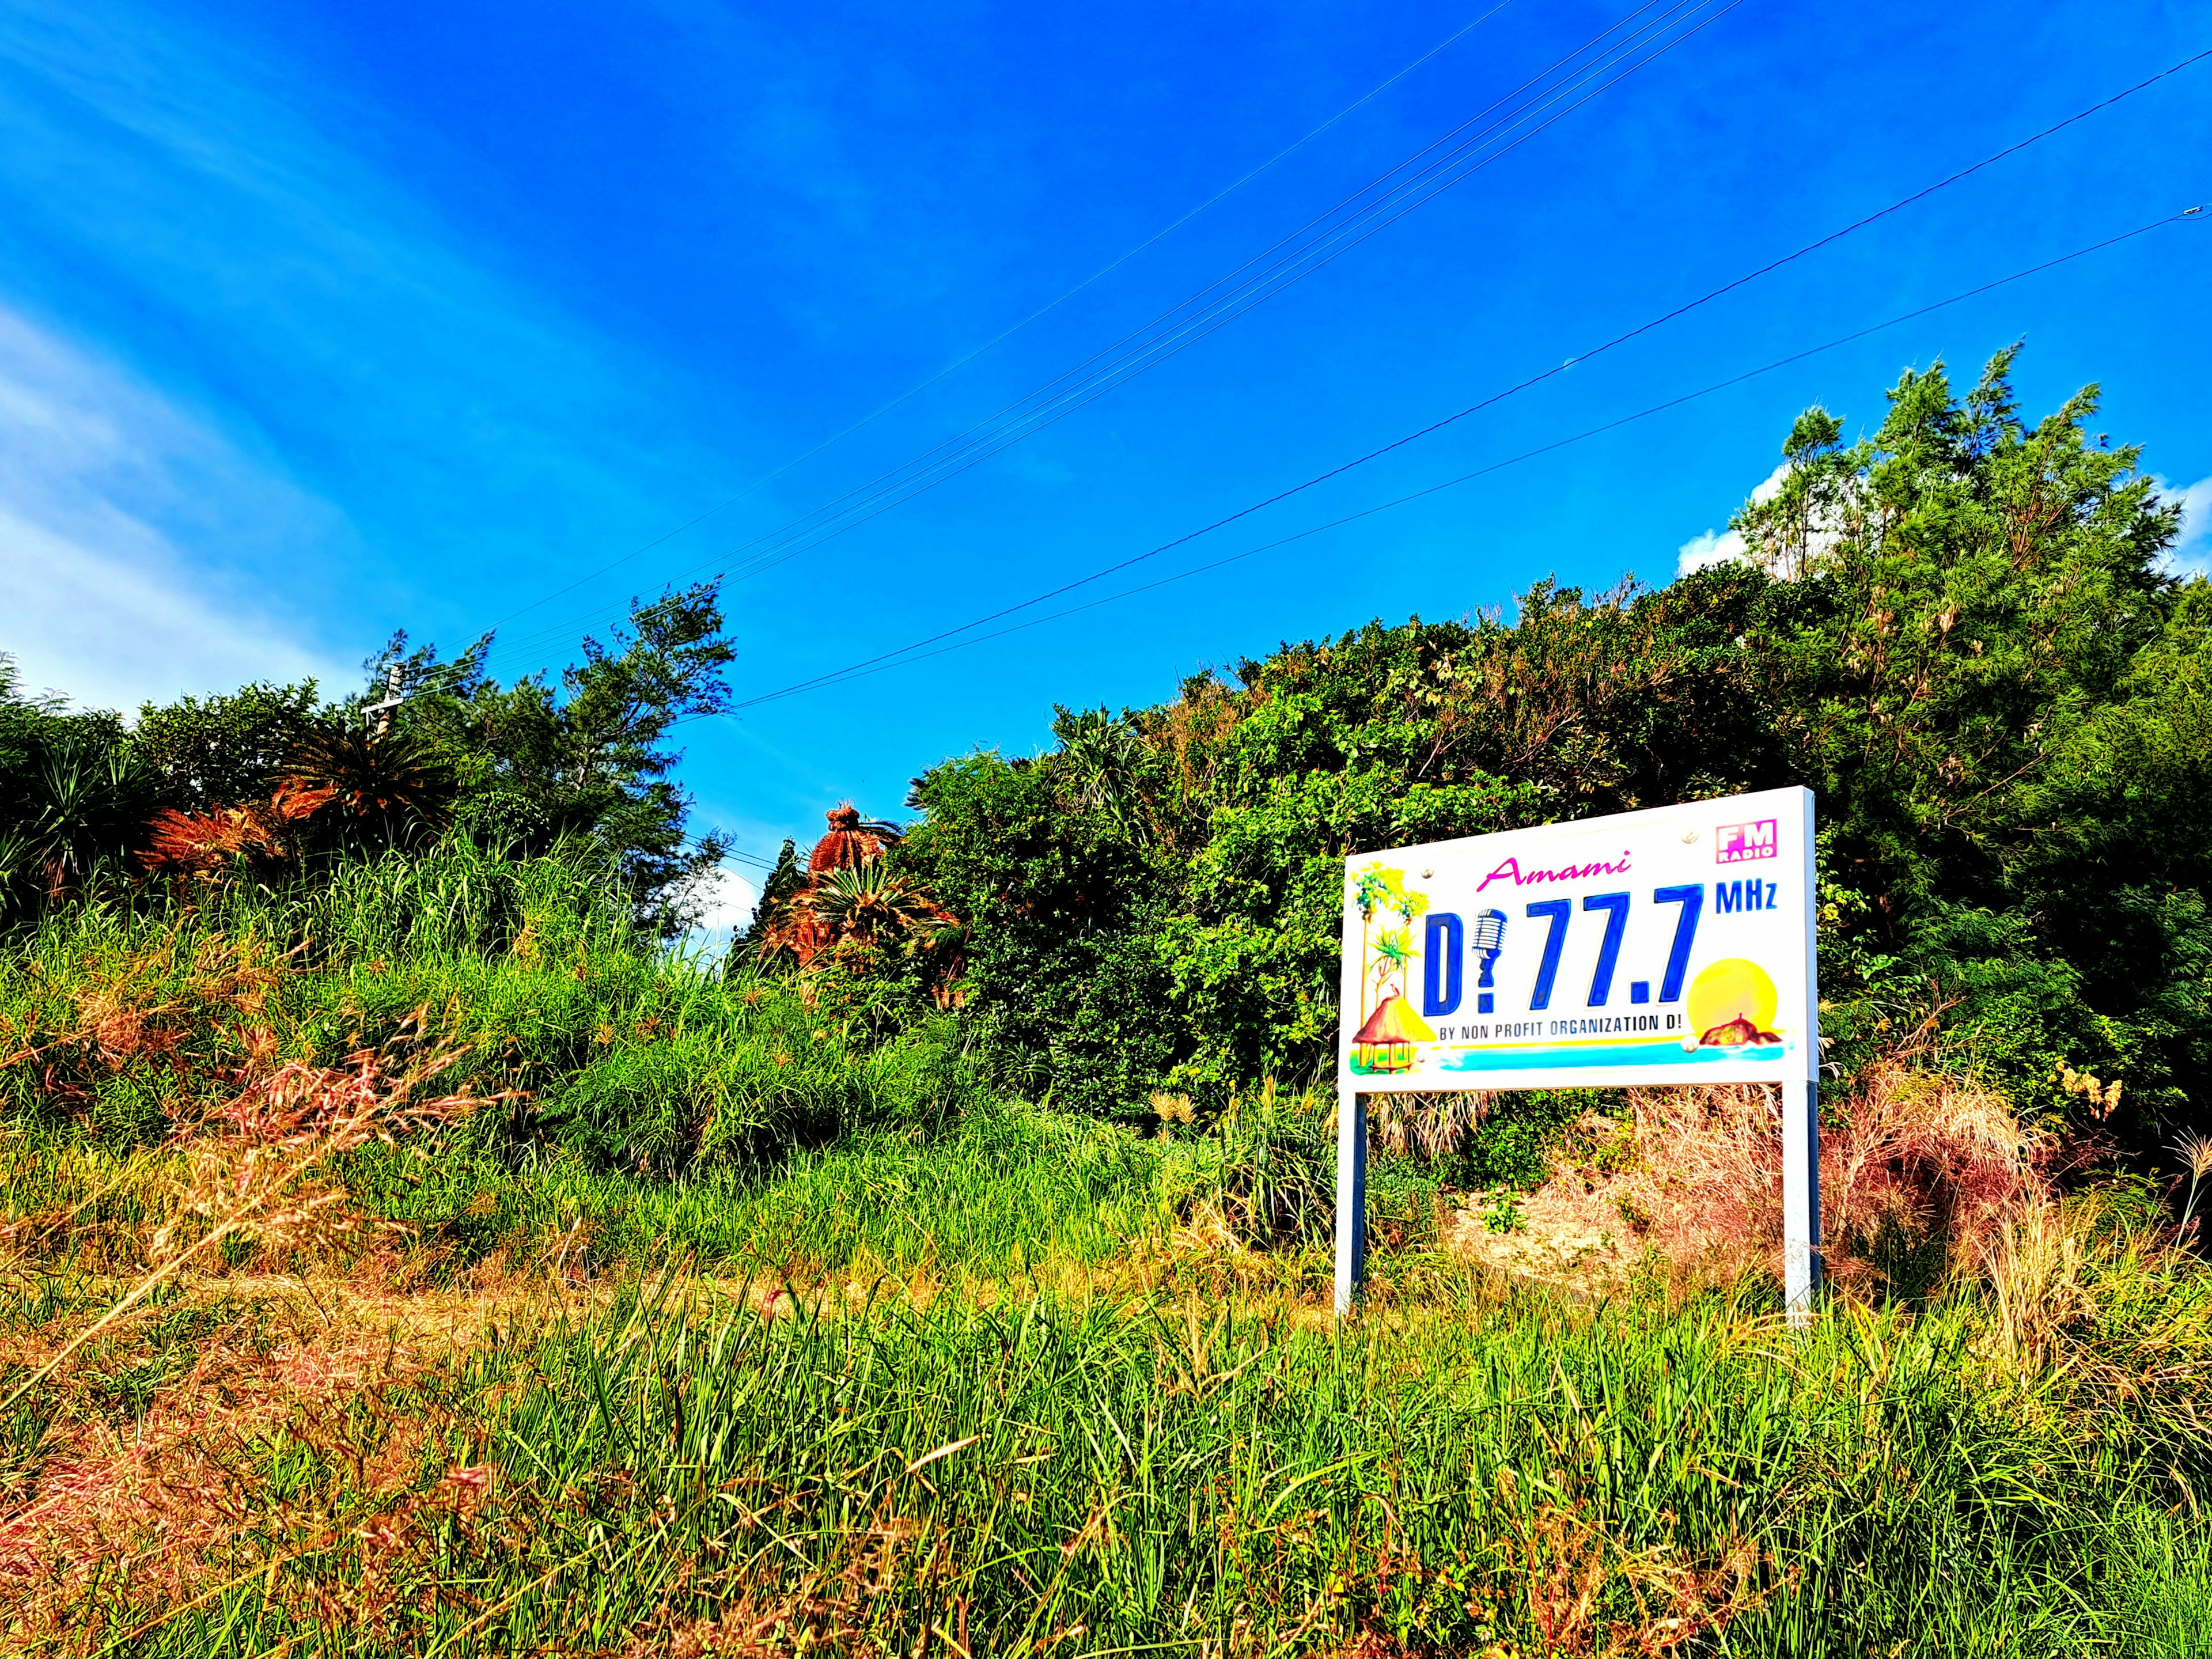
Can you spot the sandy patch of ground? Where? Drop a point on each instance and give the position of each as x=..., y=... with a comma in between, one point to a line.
x=1575, y=1240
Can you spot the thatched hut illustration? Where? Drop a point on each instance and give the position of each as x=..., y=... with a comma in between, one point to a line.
x=1386, y=1042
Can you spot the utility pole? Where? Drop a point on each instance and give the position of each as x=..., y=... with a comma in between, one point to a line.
x=379, y=713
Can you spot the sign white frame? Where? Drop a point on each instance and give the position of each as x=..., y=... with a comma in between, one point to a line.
x=1636, y=870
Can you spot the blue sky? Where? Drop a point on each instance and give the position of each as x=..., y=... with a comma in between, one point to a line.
x=319, y=321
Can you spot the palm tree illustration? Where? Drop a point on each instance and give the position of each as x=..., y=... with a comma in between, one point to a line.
x=1393, y=948
x=1410, y=906
x=1370, y=893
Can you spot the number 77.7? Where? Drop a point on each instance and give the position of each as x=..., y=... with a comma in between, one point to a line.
x=1691, y=898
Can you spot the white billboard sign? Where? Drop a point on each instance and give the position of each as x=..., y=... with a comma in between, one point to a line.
x=1673, y=945
x=1669, y=947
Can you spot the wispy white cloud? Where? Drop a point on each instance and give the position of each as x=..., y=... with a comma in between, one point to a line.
x=98, y=477
x=179, y=198
x=1710, y=547
x=2192, y=552
x=1714, y=547
x=728, y=900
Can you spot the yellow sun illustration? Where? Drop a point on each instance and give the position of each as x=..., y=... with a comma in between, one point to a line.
x=1732, y=989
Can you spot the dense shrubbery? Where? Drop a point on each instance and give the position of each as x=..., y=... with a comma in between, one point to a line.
x=1957, y=632
x=527, y=974
x=274, y=783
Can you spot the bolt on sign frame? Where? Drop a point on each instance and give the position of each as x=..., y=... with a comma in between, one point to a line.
x=1674, y=945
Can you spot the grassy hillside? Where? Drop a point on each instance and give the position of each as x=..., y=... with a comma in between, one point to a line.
x=403, y=1251
x=319, y=1338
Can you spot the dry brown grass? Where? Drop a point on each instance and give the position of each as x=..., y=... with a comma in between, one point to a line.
x=334, y=1376
x=1588, y=1594
x=148, y=1002
x=1923, y=1167
x=233, y=1251
x=155, y=1501
x=1429, y=1125
x=258, y=1172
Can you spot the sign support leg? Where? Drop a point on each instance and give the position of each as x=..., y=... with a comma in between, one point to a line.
x=1801, y=1198
x=1350, y=1199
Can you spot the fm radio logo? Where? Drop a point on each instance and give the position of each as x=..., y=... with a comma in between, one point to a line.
x=1739, y=843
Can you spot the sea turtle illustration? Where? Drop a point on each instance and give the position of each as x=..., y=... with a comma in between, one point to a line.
x=1738, y=1033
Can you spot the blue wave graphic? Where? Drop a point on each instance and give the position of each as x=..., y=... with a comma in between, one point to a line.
x=1667, y=1052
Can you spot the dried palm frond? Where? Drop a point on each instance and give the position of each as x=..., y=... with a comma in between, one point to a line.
x=209, y=843
x=203, y=843
x=1431, y=1125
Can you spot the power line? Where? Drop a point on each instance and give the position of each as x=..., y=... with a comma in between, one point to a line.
x=877, y=666
x=1007, y=333
x=863, y=671
x=1164, y=337
x=1001, y=432
x=1172, y=332
x=1495, y=397
x=700, y=843
x=914, y=651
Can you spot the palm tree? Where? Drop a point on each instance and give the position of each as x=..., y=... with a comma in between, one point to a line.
x=1369, y=893
x=396, y=787
x=1412, y=907
x=870, y=903
x=1393, y=950
x=1099, y=759
x=87, y=801
x=1382, y=888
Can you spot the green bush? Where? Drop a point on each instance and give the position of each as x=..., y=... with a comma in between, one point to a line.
x=1958, y=633
x=527, y=975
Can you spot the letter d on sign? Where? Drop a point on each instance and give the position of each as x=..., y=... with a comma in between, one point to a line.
x=1443, y=964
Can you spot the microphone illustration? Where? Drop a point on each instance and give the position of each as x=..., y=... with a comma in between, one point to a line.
x=1489, y=939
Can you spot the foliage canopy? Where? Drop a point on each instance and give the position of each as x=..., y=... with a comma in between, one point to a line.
x=522, y=768
x=1956, y=630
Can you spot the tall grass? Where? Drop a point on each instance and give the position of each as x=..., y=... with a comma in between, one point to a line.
x=778, y=1337
x=1052, y=1476
x=968, y=1404
x=577, y=1033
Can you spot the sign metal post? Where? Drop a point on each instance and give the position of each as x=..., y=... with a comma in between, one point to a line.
x=1801, y=1196
x=1674, y=945
x=1350, y=1199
